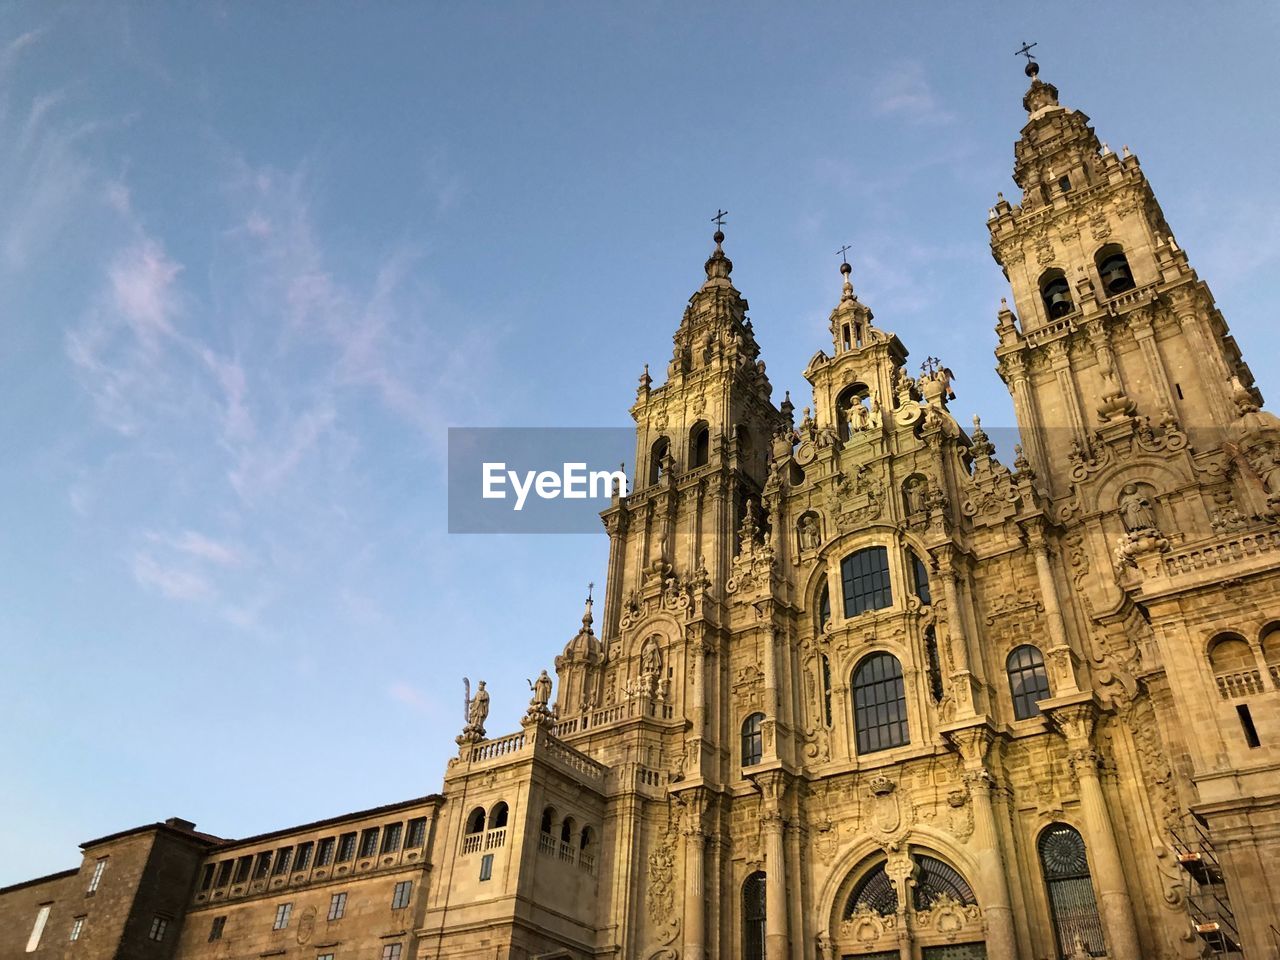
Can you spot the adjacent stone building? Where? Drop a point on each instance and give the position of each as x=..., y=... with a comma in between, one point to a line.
x=859, y=689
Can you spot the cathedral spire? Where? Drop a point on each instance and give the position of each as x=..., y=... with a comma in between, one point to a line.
x=718, y=266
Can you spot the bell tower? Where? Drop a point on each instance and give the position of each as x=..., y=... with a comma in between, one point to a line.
x=1132, y=338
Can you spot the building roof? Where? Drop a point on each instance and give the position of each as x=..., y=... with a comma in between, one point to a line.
x=431, y=798
x=60, y=875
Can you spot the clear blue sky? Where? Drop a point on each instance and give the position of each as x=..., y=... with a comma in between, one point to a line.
x=256, y=258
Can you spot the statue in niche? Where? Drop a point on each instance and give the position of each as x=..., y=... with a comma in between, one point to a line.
x=914, y=492
x=810, y=536
x=1136, y=512
x=650, y=668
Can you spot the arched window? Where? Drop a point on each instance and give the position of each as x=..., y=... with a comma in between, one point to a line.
x=879, y=703
x=1056, y=293
x=865, y=575
x=475, y=821
x=752, y=740
x=566, y=830
x=933, y=663
x=824, y=607
x=1071, y=903
x=753, y=914
x=1028, y=681
x=657, y=453
x=935, y=879
x=920, y=578
x=548, y=819
x=587, y=839
x=700, y=445
x=1113, y=270
x=498, y=815
x=874, y=892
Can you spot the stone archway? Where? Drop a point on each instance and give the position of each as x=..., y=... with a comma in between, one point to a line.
x=912, y=904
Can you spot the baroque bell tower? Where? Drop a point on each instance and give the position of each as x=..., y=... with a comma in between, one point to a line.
x=1131, y=336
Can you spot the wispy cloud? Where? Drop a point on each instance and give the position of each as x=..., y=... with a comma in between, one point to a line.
x=173, y=581
x=905, y=92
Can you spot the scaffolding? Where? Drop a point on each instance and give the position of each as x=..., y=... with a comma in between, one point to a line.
x=1207, y=902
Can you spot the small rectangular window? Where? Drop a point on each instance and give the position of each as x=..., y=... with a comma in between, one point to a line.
x=391, y=838
x=369, y=842
x=282, y=916
x=206, y=880
x=304, y=856
x=98, y=868
x=325, y=956
x=1064, y=183
x=215, y=931
x=324, y=853
x=76, y=926
x=400, y=899
x=243, y=866
x=37, y=930
x=337, y=906
x=391, y=951
x=346, y=847
x=284, y=856
x=158, y=926
x=417, y=833
x=1246, y=722
x=486, y=866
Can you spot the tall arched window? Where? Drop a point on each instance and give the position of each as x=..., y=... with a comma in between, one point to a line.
x=1028, y=681
x=566, y=830
x=874, y=892
x=475, y=821
x=879, y=703
x=920, y=578
x=752, y=740
x=657, y=453
x=1071, y=903
x=824, y=607
x=700, y=445
x=933, y=664
x=865, y=577
x=498, y=815
x=753, y=914
x=548, y=819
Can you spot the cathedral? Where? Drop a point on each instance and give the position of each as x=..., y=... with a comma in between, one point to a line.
x=856, y=688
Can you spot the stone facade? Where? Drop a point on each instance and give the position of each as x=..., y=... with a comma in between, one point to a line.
x=860, y=689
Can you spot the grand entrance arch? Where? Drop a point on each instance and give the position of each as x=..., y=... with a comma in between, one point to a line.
x=913, y=906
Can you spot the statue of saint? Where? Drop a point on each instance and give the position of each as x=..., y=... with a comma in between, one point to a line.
x=809, y=535
x=541, y=690
x=478, y=708
x=1135, y=510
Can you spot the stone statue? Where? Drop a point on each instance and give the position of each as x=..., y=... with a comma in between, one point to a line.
x=541, y=690
x=650, y=658
x=914, y=492
x=478, y=708
x=1135, y=510
x=1269, y=473
x=809, y=535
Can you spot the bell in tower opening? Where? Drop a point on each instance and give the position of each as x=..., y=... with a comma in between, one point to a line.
x=1113, y=270
x=1057, y=294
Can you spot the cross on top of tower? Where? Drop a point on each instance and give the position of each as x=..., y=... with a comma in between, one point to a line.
x=1032, y=68
x=843, y=252
x=718, y=219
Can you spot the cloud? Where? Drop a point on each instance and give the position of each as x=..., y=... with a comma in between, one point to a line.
x=410, y=696
x=905, y=92
x=201, y=547
x=174, y=582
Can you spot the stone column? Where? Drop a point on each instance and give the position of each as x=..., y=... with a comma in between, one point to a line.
x=770, y=725
x=1025, y=411
x=1061, y=657
x=963, y=683
x=973, y=744
x=772, y=786
x=695, y=895
x=1076, y=722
